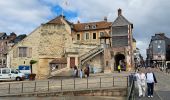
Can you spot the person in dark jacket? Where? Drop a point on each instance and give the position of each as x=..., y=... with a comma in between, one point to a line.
x=150, y=80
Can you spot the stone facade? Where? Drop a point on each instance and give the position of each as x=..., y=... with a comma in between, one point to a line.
x=81, y=43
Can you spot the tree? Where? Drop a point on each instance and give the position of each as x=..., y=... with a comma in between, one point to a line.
x=31, y=63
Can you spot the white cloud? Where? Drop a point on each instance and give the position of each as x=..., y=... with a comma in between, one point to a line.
x=22, y=16
x=148, y=16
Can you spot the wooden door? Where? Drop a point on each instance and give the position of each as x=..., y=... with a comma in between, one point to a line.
x=72, y=62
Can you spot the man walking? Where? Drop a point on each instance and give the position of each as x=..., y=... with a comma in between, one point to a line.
x=150, y=79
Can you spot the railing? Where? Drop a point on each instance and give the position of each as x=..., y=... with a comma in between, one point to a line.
x=63, y=85
x=131, y=88
x=83, y=58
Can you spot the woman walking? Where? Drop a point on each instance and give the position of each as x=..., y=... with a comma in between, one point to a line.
x=141, y=83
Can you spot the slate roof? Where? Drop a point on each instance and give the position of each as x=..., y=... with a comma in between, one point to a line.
x=99, y=25
x=121, y=21
x=159, y=36
x=2, y=34
x=59, y=61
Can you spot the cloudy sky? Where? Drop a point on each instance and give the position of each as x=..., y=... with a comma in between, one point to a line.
x=148, y=16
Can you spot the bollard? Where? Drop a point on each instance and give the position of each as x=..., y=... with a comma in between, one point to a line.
x=61, y=84
x=74, y=84
x=22, y=89
x=113, y=81
x=35, y=87
x=127, y=81
x=48, y=86
x=9, y=89
x=100, y=82
x=87, y=83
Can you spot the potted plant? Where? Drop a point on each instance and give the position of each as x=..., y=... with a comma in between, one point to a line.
x=32, y=75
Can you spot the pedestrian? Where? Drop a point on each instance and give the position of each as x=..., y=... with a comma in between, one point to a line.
x=119, y=68
x=87, y=70
x=150, y=79
x=81, y=73
x=141, y=83
x=75, y=71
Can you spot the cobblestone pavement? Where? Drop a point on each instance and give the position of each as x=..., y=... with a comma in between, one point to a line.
x=162, y=88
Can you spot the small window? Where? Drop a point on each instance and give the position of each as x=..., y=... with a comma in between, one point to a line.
x=160, y=41
x=93, y=26
x=94, y=35
x=78, y=36
x=107, y=63
x=0, y=61
x=159, y=46
x=22, y=51
x=4, y=62
x=87, y=27
x=101, y=34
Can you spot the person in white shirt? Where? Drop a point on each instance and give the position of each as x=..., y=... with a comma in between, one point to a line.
x=150, y=79
x=141, y=83
x=81, y=73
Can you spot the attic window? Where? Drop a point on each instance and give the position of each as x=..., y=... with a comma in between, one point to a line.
x=87, y=27
x=93, y=26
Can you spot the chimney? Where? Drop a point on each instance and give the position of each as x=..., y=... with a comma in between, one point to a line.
x=78, y=21
x=105, y=19
x=119, y=12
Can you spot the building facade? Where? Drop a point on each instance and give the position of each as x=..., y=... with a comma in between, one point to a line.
x=158, y=50
x=101, y=45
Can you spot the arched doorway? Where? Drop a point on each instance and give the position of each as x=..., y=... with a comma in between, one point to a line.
x=119, y=57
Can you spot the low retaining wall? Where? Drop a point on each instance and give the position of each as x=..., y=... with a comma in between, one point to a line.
x=116, y=92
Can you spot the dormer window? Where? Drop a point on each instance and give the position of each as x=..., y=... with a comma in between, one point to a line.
x=93, y=26
x=87, y=27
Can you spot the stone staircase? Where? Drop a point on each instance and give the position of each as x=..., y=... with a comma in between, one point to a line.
x=61, y=72
x=90, y=54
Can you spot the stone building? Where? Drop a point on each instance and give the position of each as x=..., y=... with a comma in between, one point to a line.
x=158, y=51
x=4, y=47
x=59, y=45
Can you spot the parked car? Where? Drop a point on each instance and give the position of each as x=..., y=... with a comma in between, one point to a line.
x=11, y=74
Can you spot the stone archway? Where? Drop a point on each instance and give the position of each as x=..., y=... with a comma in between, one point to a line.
x=118, y=57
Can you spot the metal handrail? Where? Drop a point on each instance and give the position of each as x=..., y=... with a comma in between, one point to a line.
x=131, y=89
x=38, y=86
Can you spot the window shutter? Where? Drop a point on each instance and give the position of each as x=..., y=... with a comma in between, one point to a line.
x=29, y=52
x=15, y=53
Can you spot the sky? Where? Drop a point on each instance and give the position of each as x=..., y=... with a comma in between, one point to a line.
x=148, y=16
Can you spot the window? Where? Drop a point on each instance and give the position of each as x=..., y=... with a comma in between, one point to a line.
x=93, y=26
x=5, y=71
x=22, y=51
x=14, y=71
x=87, y=27
x=78, y=36
x=0, y=61
x=159, y=46
x=4, y=62
x=101, y=34
x=86, y=36
x=94, y=35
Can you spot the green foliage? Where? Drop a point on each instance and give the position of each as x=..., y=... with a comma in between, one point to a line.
x=32, y=62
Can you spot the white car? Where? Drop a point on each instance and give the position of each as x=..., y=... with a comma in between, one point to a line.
x=11, y=74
